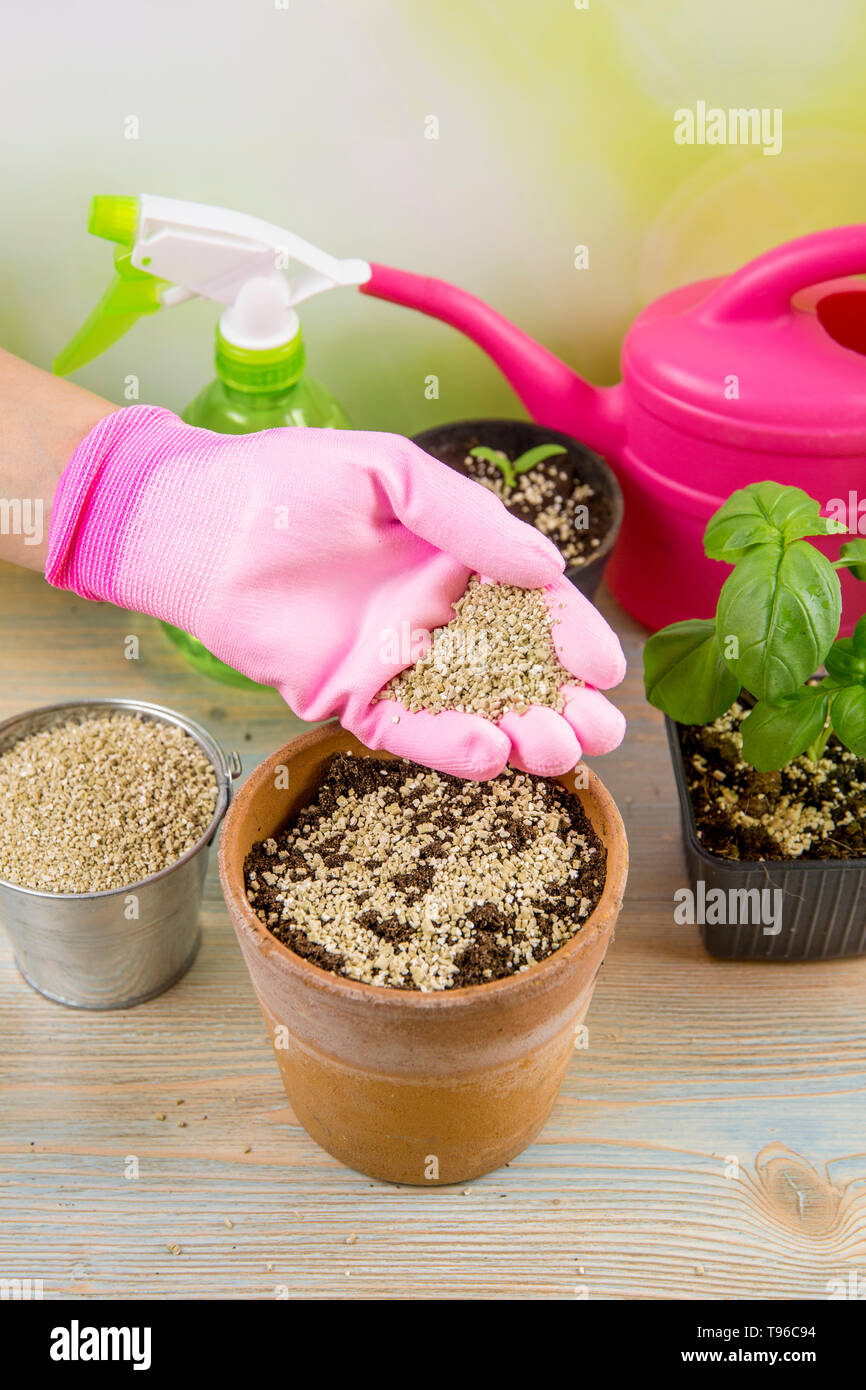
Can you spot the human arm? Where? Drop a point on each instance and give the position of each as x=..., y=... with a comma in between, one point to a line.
x=43, y=419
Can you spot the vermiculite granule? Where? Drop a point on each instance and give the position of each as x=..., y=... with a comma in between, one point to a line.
x=403, y=877
x=496, y=654
x=101, y=801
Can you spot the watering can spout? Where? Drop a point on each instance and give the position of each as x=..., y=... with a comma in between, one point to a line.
x=552, y=391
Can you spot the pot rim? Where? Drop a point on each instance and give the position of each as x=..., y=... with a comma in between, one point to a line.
x=690, y=828
x=226, y=768
x=465, y=995
x=560, y=436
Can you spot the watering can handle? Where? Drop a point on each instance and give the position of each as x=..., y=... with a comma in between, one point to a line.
x=764, y=288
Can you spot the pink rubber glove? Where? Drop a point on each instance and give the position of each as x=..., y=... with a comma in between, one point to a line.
x=291, y=554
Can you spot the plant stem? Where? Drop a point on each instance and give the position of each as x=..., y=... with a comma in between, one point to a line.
x=501, y=461
x=815, y=751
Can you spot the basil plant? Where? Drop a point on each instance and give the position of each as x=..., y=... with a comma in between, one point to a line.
x=775, y=626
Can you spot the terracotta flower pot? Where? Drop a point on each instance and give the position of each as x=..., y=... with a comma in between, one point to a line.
x=411, y=1087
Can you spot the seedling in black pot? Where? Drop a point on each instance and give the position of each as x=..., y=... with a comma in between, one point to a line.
x=512, y=468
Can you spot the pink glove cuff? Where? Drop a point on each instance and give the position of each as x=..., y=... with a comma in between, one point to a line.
x=94, y=498
x=121, y=523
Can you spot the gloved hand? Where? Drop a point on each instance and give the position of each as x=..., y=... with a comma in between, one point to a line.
x=290, y=554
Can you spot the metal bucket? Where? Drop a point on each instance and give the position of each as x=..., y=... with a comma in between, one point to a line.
x=116, y=948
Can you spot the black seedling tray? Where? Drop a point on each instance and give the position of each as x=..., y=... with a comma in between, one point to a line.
x=823, y=902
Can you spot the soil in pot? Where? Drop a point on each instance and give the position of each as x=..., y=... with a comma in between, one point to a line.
x=572, y=497
x=805, y=811
x=548, y=496
x=403, y=877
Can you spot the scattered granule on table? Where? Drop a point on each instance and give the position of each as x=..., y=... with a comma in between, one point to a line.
x=496, y=654
x=404, y=877
x=101, y=801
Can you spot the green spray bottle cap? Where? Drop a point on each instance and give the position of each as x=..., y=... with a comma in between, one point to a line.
x=132, y=292
x=169, y=251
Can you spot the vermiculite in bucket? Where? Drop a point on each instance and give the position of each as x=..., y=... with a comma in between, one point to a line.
x=101, y=802
x=104, y=808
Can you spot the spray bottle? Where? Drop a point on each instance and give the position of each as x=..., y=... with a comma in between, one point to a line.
x=169, y=251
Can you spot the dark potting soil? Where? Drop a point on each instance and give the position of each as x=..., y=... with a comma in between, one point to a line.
x=400, y=876
x=805, y=811
x=547, y=496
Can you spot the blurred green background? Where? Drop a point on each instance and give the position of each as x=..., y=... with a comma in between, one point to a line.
x=555, y=129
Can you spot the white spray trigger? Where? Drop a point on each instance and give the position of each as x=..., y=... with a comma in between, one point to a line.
x=216, y=253
x=261, y=316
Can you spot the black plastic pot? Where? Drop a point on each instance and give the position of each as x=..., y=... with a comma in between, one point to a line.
x=823, y=904
x=516, y=436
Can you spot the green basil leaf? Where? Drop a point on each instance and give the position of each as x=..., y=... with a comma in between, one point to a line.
x=783, y=605
x=846, y=661
x=740, y=523
x=855, y=551
x=849, y=718
x=500, y=459
x=761, y=514
x=537, y=455
x=775, y=733
x=496, y=456
x=858, y=636
x=685, y=674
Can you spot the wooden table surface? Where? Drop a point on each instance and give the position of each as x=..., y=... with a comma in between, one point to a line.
x=709, y=1143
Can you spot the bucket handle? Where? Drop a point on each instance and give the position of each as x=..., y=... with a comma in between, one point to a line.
x=234, y=767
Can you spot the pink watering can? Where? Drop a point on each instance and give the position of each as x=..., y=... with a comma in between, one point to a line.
x=761, y=374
